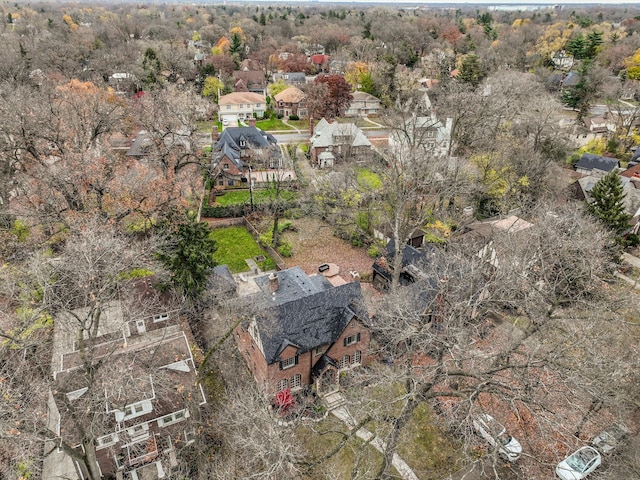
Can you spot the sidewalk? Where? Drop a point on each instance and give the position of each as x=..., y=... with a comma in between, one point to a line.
x=400, y=465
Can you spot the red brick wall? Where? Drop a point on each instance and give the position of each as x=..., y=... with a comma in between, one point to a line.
x=338, y=349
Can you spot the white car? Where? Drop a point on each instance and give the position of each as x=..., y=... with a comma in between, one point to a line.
x=497, y=436
x=579, y=464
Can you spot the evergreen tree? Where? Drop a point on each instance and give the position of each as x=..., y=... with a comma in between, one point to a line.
x=187, y=252
x=608, y=203
x=471, y=70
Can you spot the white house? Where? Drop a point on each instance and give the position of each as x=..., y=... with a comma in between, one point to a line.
x=241, y=105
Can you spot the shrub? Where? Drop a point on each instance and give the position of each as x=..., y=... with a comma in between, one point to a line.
x=294, y=117
x=285, y=249
x=374, y=251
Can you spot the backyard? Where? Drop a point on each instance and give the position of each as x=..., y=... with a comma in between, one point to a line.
x=235, y=245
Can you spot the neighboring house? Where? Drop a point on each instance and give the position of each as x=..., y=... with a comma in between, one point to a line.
x=291, y=101
x=147, y=410
x=590, y=162
x=251, y=80
x=601, y=124
x=143, y=144
x=630, y=180
x=562, y=60
x=363, y=104
x=571, y=79
x=320, y=62
x=424, y=132
x=332, y=141
x=413, y=266
x=416, y=239
x=241, y=105
x=306, y=334
x=241, y=148
x=124, y=83
x=291, y=78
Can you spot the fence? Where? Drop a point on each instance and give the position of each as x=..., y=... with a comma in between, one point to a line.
x=275, y=256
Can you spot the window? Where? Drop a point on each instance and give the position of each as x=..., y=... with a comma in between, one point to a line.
x=230, y=183
x=190, y=436
x=351, y=339
x=173, y=418
x=243, y=143
x=319, y=350
x=221, y=182
x=228, y=107
x=225, y=166
x=105, y=441
x=288, y=363
x=344, y=362
x=357, y=357
x=161, y=317
x=134, y=410
x=241, y=106
x=296, y=381
x=283, y=384
x=137, y=430
x=258, y=105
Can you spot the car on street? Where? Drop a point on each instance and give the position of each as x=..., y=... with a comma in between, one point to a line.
x=497, y=436
x=610, y=439
x=579, y=464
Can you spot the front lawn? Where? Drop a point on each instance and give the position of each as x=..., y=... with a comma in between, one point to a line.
x=235, y=244
x=368, y=179
x=272, y=124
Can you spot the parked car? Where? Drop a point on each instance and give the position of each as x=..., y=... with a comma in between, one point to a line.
x=611, y=438
x=579, y=464
x=497, y=436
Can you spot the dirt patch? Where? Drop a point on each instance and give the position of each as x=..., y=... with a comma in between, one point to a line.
x=314, y=244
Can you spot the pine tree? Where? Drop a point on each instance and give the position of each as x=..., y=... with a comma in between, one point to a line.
x=608, y=203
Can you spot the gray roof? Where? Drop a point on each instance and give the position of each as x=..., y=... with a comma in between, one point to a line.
x=306, y=312
x=590, y=161
x=571, y=80
x=230, y=143
x=324, y=133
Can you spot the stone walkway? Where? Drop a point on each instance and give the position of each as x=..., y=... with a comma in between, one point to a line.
x=400, y=465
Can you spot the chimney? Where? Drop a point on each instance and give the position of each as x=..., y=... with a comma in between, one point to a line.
x=214, y=134
x=273, y=283
x=311, y=125
x=251, y=122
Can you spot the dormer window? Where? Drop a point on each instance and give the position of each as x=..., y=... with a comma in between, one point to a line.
x=161, y=317
x=243, y=143
x=225, y=166
x=288, y=363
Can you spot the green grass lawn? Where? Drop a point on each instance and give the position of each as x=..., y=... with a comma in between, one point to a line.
x=272, y=124
x=368, y=179
x=235, y=244
x=299, y=124
x=240, y=197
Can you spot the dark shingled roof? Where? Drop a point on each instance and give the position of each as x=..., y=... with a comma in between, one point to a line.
x=231, y=138
x=590, y=161
x=306, y=312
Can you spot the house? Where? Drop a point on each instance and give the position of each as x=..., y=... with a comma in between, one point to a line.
x=424, y=132
x=413, y=265
x=291, y=101
x=145, y=416
x=589, y=162
x=241, y=105
x=291, y=78
x=320, y=62
x=331, y=141
x=306, y=332
x=562, y=60
x=124, y=83
x=250, y=81
x=237, y=150
x=600, y=124
x=363, y=104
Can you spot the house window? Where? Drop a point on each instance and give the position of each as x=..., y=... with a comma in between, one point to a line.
x=283, y=385
x=228, y=107
x=243, y=143
x=173, y=418
x=225, y=166
x=241, y=106
x=161, y=317
x=288, y=363
x=230, y=183
x=138, y=430
x=344, y=362
x=190, y=436
x=105, y=441
x=134, y=410
x=351, y=339
x=296, y=381
x=258, y=105
x=357, y=357
x=221, y=182
x=319, y=350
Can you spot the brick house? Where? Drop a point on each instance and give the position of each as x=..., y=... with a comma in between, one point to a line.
x=247, y=80
x=291, y=101
x=239, y=148
x=308, y=332
x=332, y=141
x=147, y=414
